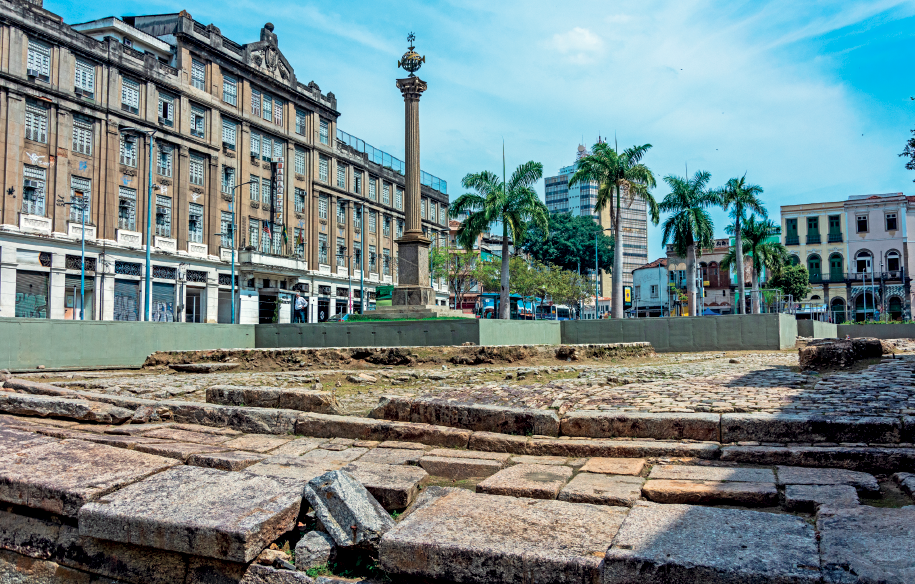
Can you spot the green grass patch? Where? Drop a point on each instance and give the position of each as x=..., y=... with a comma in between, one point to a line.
x=370, y=318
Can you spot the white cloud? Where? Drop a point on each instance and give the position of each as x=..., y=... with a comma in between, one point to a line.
x=579, y=44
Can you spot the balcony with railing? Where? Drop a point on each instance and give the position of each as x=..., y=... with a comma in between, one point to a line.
x=889, y=276
x=792, y=240
x=835, y=238
x=813, y=238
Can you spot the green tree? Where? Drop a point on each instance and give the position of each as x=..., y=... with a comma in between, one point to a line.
x=690, y=225
x=515, y=204
x=793, y=280
x=571, y=288
x=738, y=197
x=622, y=178
x=763, y=248
x=570, y=243
x=486, y=273
x=457, y=267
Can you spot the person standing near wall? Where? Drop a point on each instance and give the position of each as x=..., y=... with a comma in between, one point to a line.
x=301, y=305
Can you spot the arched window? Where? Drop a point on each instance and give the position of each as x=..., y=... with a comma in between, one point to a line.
x=795, y=261
x=892, y=261
x=713, y=274
x=813, y=266
x=894, y=308
x=836, y=268
x=864, y=262
x=837, y=307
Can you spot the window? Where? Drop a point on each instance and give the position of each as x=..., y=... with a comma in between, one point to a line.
x=322, y=248
x=33, y=190
x=387, y=226
x=892, y=261
x=39, y=65
x=386, y=194
x=373, y=221
x=82, y=136
x=195, y=223
x=130, y=95
x=813, y=224
x=357, y=217
x=276, y=234
x=299, y=200
x=254, y=188
x=299, y=241
x=127, y=208
x=443, y=215
x=398, y=198
x=422, y=209
x=228, y=179
x=196, y=169
x=166, y=109
x=163, y=216
x=386, y=261
x=255, y=102
x=198, y=74
x=400, y=228
x=268, y=107
x=373, y=260
x=323, y=163
x=255, y=144
x=164, y=160
x=36, y=123
x=357, y=182
x=323, y=135
x=341, y=176
x=654, y=291
x=341, y=254
x=278, y=112
x=228, y=134
x=341, y=213
x=198, y=121
x=226, y=228
x=84, y=83
x=278, y=148
x=322, y=206
x=229, y=90
x=863, y=262
x=372, y=192
x=301, y=121
x=299, y=162
x=891, y=224
x=861, y=221
x=266, y=192
x=253, y=231
x=129, y=150
x=80, y=192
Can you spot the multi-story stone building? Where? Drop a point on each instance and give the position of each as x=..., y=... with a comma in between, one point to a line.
x=715, y=281
x=78, y=103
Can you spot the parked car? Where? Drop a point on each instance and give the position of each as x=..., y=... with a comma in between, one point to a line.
x=338, y=318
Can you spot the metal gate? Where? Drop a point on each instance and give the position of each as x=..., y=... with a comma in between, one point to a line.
x=163, y=302
x=126, y=300
x=31, y=294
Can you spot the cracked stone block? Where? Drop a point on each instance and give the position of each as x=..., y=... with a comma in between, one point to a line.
x=293, y=467
x=74, y=409
x=392, y=456
x=346, y=510
x=13, y=440
x=63, y=476
x=238, y=460
x=808, y=498
x=345, y=455
x=867, y=545
x=199, y=511
x=257, y=442
x=537, y=481
x=615, y=466
x=316, y=548
x=394, y=486
x=665, y=544
x=187, y=436
x=299, y=446
x=459, y=468
x=602, y=489
x=467, y=537
x=797, y=475
x=177, y=450
x=712, y=473
x=711, y=492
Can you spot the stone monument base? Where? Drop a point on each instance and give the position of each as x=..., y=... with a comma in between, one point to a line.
x=417, y=311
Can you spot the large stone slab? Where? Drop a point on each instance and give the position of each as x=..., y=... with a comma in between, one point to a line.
x=186, y=436
x=257, y=442
x=392, y=456
x=673, y=544
x=660, y=426
x=74, y=409
x=294, y=467
x=537, y=481
x=63, y=476
x=203, y=367
x=712, y=473
x=200, y=511
x=711, y=492
x=328, y=426
x=877, y=459
x=290, y=398
x=615, y=466
x=602, y=489
x=346, y=510
x=478, y=454
x=906, y=482
x=867, y=545
x=394, y=486
x=470, y=416
x=603, y=447
x=761, y=427
x=808, y=498
x=796, y=475
x=470, y=538
x=460, y=468
x=13, y=440
x=37, y=388
x=177, y=450
x=343, y=455
x=232, y=460
x=299, y=446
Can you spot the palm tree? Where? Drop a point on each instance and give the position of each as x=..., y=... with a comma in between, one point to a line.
x=514, y=203
x=620, y=175
x=690, y=224
x=763, y=248
x=739, y=198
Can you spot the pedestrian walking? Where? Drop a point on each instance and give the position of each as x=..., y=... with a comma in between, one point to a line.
x=301, y=305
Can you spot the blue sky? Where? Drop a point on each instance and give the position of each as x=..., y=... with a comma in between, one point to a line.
x=810, y=99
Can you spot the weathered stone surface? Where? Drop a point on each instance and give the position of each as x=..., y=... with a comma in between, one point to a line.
x=17, y=569
x=829, y=354
x=602, y=489
x=786, y=428
x=185, y=436
x=399, y=444
x=232, y=460
x=257, y=442
x=536, y=481
x=344, y=455
x=470, y=416
x=316, y=548
x=460, y=536
x=660, y=426
x=37, y=388
x=199, y=511
x=459, y=468
x=711, y=492
x=617, y=466
x=795, y=475
x=392, y=456
x=75, y=409
x=63, y=476
x=580, y=448
x=328, y=426
x=906, y=481
x=853, y=458
x=712, y=473
x=256, y=574
x=668, y=544
x=243, y=419
x=205, y=429
x=177, y=450
x=203, y=367
x=478, y=454
x=291, y=398
x=299, y=446
x=346, y=510
x=867, y=545
x=294, y=467
x=393, y=486
x=118, y=441
x=551, y=460
x=13, y=440
x=808, y=498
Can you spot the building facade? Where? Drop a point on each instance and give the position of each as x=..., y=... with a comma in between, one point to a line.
x=243, y=156
x=715, y=281
x=651, y=296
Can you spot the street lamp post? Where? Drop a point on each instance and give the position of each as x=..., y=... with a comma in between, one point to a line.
x=232, y=235
x=82, y=207
x=148, y=292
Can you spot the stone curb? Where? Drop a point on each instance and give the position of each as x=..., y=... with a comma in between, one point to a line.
x=793, y=428
x=660, y=426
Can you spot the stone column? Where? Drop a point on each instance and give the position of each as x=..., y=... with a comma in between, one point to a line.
x=414, y=287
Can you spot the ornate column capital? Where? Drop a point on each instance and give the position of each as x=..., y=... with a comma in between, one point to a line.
x=412, y=88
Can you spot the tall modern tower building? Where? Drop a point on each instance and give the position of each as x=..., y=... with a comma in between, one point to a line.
x=580, y=199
